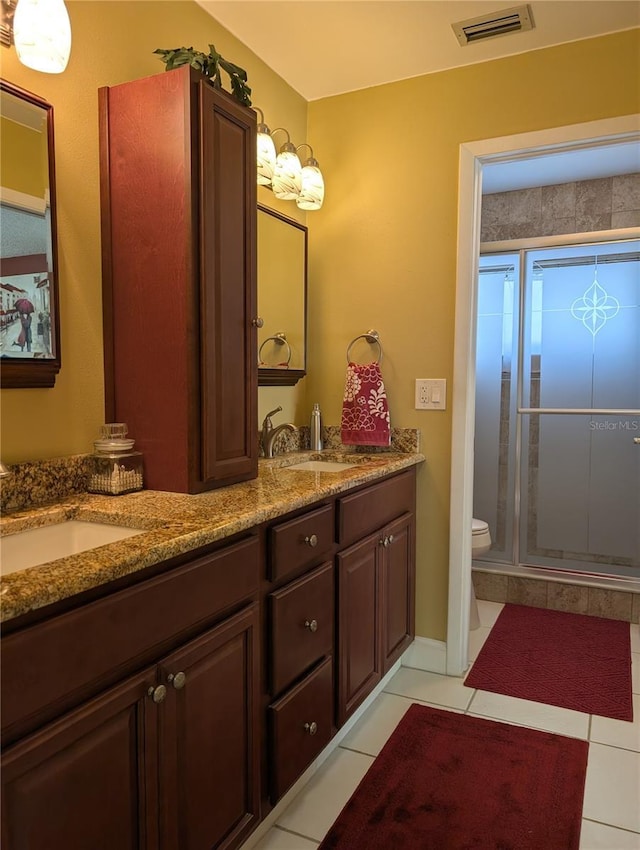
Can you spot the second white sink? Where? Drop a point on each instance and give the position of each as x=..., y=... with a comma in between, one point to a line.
x=322, y=466
x=50, y=542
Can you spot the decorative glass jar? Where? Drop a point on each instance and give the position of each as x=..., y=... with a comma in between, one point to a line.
x=117, y=468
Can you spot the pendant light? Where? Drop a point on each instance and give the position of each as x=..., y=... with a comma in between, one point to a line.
x=311, y=195
x=42, y=35
x=287, y=175
x=266, y=152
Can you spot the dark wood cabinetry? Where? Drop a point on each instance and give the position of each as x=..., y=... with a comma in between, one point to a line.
x=137, y=765
x=178, y=188
x=171, y=714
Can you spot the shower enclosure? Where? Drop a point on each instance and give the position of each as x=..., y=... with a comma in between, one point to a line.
x=557, y=431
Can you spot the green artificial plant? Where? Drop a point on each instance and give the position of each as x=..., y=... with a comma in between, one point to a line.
x=209, y=64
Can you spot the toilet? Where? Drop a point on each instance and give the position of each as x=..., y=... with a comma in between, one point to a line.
x=480, y=545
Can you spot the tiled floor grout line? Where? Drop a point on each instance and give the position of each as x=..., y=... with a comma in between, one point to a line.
x=297, y=834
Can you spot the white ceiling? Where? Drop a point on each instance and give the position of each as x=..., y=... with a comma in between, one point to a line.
x=328, y=47
x=322, y=48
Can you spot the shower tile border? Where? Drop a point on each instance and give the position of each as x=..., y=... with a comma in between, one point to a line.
x=557, y=595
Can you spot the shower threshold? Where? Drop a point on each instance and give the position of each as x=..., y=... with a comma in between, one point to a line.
x=629, y=584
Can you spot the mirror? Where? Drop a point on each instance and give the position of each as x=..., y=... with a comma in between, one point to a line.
x=29, y=324
x=282, y=298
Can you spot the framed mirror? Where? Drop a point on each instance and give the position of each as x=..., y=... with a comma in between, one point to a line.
x=282, y=299
x=29, y=317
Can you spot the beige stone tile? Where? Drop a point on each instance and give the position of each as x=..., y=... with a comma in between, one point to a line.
x=635, y=607
x=559, y=201
x=495, y=208
x=568, y=597
x=625, y=218
x=527, y=591
x=525, y=205
x=625, y=193
x=588, y=221
x=612, y=604
x=490, y=586
x=557, y=226
x=593, y=196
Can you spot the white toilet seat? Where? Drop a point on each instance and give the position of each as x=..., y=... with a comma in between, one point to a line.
x=480, y=537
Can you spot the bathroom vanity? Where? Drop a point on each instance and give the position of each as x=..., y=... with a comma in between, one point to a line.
x=210, y=658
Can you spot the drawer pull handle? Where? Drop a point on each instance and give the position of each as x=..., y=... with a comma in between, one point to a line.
x=311, y=541
x=157, y=694
x=311, y=728
x=178, y=681
x=390, y=539
x=386, y=541
x=312, y=625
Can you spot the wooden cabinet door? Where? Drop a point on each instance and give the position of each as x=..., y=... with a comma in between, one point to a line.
x=359, y=667
x=86, y=781
x=397, y=589
x=228, y=295
x=209, y=749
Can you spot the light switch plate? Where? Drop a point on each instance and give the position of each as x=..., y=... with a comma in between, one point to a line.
x=431, y=394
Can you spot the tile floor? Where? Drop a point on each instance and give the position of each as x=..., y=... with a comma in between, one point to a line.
x=611, y=812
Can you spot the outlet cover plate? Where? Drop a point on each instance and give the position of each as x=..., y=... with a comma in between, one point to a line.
x=431, y=394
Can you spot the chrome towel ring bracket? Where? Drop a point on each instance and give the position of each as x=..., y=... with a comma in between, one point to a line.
x=279, y=340
x=372, y=337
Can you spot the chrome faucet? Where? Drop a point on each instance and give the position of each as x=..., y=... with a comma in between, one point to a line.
x=271, y=434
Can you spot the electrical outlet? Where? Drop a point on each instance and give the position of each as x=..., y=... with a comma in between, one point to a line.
x=431, y=394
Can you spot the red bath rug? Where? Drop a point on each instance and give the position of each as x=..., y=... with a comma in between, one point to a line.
x=448, y=781
x=569, y=660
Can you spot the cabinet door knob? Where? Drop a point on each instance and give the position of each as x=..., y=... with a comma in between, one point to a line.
x=311, y=541
x=390, y=539
x=157, y=694
x=312, y=625
x=178, y=680
x=311, y=728
x=257, y=322
x=385, y=541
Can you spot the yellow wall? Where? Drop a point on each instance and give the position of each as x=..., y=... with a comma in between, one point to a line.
x=21, y=147
x=384, y=245
x=382, y=250
x=112, y=42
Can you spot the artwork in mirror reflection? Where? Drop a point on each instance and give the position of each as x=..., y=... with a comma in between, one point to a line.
x=27, y=283
x=282, y=252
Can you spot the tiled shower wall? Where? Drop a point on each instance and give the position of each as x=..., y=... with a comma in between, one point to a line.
x=609, y=203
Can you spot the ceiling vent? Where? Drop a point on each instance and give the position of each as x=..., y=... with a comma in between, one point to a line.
x=504, y=22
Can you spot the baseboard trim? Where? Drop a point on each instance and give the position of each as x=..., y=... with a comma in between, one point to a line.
x=427, y=654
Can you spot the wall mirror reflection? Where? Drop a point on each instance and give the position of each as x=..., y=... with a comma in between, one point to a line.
x=29, y=325
x=282, y=296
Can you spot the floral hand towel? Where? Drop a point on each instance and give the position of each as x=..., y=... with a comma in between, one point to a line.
x=365, y=412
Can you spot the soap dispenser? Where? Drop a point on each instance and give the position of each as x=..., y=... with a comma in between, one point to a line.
x=316, y=429
x=116, y=468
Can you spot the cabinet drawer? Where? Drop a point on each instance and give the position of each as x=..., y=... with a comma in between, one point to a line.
x=49, y=667
x=301, y=625
x=295, y=740
x=362, y=513
x=300, y=542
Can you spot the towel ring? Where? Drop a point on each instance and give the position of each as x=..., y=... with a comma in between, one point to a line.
x=279, y=339
x=372, y=337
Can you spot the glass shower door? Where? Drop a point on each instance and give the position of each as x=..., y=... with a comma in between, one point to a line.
x=579, y=409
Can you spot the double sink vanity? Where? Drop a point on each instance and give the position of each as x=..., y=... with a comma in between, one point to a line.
x=165, y=689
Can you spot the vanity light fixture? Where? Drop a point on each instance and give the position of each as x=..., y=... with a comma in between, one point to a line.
x=40, y=31
x=284, y=174
x=266, y=152
x=311, y=194
x=287, y=175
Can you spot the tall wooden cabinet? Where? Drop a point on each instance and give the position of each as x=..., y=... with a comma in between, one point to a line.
x=178, y=193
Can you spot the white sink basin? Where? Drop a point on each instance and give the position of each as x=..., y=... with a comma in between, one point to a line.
x=322, y=466
x=50, y=542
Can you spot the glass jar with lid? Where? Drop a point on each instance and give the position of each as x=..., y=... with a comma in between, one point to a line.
x=116, y=467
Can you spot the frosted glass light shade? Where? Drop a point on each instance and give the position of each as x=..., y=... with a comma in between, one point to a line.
x=287, y=176
x=311, y=194
x=42, y=35
x=266, y=159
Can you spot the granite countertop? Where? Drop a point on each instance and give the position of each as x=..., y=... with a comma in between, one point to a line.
x=175, y=523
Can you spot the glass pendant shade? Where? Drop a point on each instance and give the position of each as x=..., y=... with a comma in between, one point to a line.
x=266, y=158
x=287, y=175
x=42, y=35
x=311, y=195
